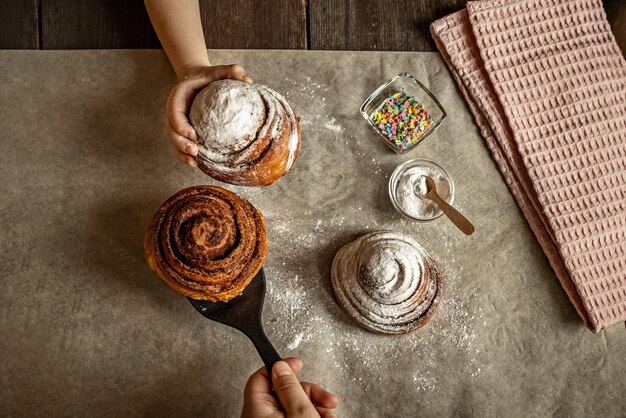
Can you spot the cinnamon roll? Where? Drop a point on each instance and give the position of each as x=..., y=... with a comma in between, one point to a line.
x=206, y=243
x=247, y=133
x=386, y=282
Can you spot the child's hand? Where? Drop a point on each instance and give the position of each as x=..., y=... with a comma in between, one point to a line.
x=181, y=133
x=292, y=399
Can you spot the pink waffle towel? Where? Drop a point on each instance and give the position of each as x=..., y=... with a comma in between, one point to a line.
x=546, y=83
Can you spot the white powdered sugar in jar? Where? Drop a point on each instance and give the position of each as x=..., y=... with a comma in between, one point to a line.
x=411, y=189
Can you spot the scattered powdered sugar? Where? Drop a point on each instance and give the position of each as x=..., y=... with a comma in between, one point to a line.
x=301, y=313
x=304, y=317
x=295, y=343
x=332, y=125
x=292, y=296
x=319, y=120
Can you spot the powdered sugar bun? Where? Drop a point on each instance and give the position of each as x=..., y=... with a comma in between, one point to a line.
x=386, y=282
x=247, y=133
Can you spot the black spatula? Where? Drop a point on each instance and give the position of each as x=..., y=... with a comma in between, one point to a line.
x=244, y=313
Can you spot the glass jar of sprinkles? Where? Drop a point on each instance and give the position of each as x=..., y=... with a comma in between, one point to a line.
x=403, y=113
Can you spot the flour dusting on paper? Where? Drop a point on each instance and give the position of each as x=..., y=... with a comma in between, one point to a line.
x=295, y=343
x=321, y=120
x=305, y=311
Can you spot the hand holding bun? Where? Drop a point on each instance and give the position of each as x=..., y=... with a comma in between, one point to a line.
x=191, y=81
x=206, y=243
x=247, y=134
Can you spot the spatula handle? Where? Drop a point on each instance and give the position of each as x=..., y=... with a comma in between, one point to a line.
x=264, y=347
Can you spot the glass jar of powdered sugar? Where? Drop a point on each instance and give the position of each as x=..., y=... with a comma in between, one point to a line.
x=407, y=187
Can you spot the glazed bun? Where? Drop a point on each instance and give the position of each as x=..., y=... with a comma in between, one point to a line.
x=206, y=243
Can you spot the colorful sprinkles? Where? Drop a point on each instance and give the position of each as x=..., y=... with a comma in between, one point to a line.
x=402, y=119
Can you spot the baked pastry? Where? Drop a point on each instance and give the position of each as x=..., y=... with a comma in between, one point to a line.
x=386, y=282
x=247, y=133
x=206, y=243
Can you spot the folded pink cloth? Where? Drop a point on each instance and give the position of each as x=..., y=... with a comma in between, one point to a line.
x=546, y=83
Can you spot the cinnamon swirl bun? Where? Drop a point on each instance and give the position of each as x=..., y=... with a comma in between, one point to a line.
x=206, y=243
x=386, y=282
x=247, y=133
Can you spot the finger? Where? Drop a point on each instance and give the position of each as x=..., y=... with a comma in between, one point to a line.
x=233, y=71
x=258, y=392
x=207, y=75
x=290, y=393
x=320, y=396
x=182, y=157
x=181, y=143
x=177, y=106
x=258, y=382
x=295, y=363
x=186, y=159
x=325, y=413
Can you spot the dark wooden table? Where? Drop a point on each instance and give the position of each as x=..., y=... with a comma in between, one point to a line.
x=400, y=25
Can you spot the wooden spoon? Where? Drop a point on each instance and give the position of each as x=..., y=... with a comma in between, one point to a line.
x=454, y=215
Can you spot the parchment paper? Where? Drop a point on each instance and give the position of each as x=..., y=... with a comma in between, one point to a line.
x=87, y=330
